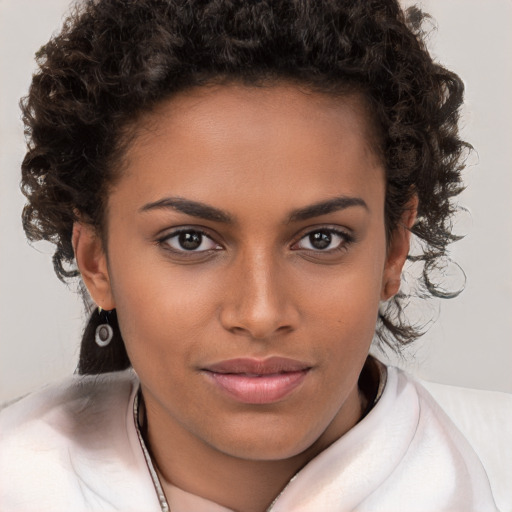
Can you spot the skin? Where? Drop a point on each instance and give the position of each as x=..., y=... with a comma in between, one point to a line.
x=258, y=289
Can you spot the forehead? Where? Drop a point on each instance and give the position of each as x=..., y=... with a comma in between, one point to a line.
x=254, y=107
x=213, y=143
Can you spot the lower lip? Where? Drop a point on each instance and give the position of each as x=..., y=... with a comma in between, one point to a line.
x=264, y=389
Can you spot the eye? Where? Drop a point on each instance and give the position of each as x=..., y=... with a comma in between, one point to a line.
x=190, y=240
x=324, y=240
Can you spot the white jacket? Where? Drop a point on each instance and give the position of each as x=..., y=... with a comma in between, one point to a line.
x=74, y=447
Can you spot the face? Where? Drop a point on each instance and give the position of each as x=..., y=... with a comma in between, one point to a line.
x=246, y=258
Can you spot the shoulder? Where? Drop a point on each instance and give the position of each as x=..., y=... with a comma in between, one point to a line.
x=61, y=444
x=73, y=406
x=476, y=412
x=485, y=420
x=439, y=466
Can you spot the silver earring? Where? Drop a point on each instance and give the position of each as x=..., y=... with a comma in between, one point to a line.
x=104, y=332
x=104, y=335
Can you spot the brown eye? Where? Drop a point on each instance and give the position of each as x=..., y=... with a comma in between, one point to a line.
x=320, y=239
x=190, y=241
x=323, y=240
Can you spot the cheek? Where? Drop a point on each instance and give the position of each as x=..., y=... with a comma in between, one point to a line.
x=349, y=317
x=348, y=296
x=162, y=312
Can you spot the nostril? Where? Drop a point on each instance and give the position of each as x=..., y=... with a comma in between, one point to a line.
x=260, y=334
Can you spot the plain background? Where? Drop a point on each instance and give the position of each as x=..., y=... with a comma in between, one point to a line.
x=469, y=345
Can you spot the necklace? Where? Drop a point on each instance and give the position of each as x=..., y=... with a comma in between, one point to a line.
x=164, y=506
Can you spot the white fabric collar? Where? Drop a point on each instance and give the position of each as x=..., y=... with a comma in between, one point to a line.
x=405, y=454
x=75, y=447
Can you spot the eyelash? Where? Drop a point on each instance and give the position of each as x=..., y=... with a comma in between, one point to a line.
x=347, y=239
x=164, y=241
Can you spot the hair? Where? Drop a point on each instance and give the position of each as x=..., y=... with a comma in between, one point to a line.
x=115, y=60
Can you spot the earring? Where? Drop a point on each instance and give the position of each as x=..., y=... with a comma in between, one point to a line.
x=104, y=331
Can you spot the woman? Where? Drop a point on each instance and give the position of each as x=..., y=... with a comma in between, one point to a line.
x=236, y=185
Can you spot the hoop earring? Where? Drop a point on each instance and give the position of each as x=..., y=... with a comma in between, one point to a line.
x=104, y=332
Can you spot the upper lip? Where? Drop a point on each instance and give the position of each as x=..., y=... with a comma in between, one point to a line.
x=268, y=366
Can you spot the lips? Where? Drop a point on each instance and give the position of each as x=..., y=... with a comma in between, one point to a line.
x=254, y=381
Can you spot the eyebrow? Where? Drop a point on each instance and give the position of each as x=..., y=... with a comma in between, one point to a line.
x=325, y=207
x=207, y=212
x=193, y=208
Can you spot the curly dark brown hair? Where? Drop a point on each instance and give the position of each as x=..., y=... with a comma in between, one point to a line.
x=116, y=59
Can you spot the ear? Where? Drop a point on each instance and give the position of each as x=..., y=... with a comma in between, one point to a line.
x=92, y=264
x=398, y=249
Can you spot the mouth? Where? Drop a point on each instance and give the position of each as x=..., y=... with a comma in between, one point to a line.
x=254, y=381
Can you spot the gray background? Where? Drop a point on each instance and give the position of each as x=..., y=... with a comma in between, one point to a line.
x=470, y=344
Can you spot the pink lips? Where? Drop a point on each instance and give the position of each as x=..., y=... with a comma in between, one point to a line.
x=254, y=381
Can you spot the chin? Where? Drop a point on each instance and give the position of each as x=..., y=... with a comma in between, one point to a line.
x=267, y=446
x=264, y=453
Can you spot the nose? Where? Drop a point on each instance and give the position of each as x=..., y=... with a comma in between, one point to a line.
x=259, y=302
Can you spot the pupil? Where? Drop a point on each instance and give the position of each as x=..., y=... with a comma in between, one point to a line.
x=190, y=240
x=320, y=239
